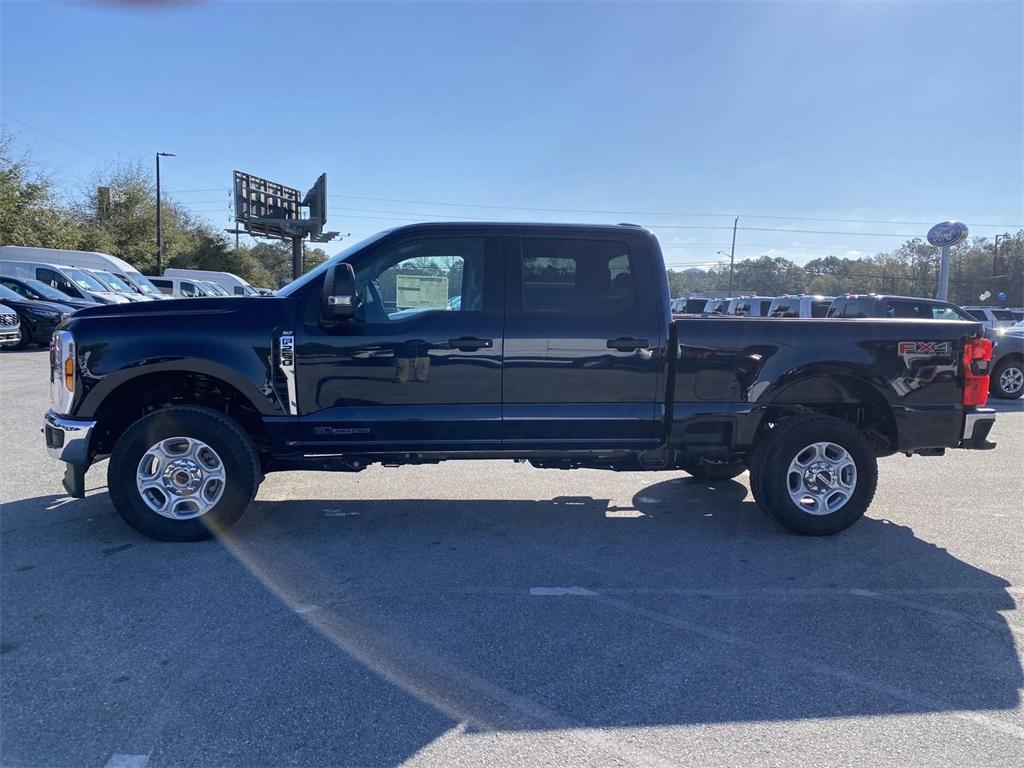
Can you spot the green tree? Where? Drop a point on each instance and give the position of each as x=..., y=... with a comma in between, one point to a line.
x=30, y=213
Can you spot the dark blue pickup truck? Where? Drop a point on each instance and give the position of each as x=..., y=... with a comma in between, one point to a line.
x=548, y=343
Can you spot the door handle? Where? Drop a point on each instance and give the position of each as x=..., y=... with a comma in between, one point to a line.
x=628, y=344
x=469, y=343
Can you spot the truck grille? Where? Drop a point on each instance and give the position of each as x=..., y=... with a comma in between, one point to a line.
x=8, y=319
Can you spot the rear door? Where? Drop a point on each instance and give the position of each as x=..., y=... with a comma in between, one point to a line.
x=581, y=330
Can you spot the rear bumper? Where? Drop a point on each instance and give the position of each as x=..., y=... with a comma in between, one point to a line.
x=977, y=424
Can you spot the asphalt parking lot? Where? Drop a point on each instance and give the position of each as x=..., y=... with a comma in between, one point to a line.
x=489, y=613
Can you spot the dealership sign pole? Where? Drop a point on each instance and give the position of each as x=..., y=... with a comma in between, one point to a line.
x=945, y=235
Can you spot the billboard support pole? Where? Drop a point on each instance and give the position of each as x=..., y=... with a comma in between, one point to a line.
x=296, y=256
x=944, y=275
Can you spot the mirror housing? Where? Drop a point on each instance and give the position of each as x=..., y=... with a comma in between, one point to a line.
x=338, y=299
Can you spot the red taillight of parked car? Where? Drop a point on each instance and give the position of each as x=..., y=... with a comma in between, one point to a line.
x=977, y=357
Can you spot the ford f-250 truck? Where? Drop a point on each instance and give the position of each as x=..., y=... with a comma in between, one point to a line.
x=552, y=344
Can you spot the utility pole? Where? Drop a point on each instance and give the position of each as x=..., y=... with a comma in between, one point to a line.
x=995, y=261
x=732, y=253
x=159, y=233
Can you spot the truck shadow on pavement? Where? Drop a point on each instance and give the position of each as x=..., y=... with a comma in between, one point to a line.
x=390, y=622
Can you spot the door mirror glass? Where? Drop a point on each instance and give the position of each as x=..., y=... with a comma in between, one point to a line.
x=338, y=298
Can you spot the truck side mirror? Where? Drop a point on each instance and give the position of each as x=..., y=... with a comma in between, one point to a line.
x=338, y=298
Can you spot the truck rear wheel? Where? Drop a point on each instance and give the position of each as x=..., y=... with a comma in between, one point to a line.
x=183, y=473
x=815, y=475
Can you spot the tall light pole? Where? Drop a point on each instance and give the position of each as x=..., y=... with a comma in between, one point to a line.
x=159, y=234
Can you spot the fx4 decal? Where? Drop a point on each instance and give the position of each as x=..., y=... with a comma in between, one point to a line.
x=914, y=348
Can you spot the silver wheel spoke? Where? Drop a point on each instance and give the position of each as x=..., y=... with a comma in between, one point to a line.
x=181, y=478
x=822, y=478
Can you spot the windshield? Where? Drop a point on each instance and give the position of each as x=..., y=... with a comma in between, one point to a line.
x=215, y=289
x=141, y=282
x=299, y=283
x=117, y=285
x=85, y=281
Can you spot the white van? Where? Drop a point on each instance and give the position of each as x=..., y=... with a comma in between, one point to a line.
x=76, y=283
x=233, y=284
x=179, y=288
x=84, y=260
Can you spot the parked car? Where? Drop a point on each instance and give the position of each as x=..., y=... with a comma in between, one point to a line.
x=751, y=306
x=233, y=284
x=40, y=291
x=84, y=260
x=589, y=370
x=10, y=327
x=72, y=282
x=1007, y=363
x=992, y=317
x=904, y=307
x=716, y=306
x=118, y=286
x=214, y=288
x=38, y=319
x=178, y=288
x=800, y=305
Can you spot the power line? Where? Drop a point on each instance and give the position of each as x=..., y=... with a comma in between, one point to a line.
x=653, y=213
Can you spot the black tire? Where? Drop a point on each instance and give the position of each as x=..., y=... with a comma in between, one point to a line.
x=770, y=463
x=997, y=385
x=232, y=445
x=755, y=461
x=713, y=471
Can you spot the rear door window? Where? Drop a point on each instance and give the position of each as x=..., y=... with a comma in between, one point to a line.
x=577, y=276
x=820, y=308
x=1002, y=314
x=858, y=308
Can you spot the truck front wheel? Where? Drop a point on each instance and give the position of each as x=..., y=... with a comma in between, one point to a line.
x=815, y=475
x=183, y=473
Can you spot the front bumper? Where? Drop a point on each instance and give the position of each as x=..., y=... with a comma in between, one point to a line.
x=977, y=424
x=10, y=338
x=68, y=439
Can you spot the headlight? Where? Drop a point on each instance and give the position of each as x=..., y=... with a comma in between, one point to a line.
x=63, y=371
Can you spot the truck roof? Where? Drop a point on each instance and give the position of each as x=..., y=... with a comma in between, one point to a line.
x=505, y=226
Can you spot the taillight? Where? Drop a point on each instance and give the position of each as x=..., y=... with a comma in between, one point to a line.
x=977, y=357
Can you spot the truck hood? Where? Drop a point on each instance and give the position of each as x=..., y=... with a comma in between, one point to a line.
x=170, y=307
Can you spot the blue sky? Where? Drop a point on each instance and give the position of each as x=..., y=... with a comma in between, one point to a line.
x=907, y=112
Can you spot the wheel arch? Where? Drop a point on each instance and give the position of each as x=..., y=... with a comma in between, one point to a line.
x=129, y=398
x=851, y=398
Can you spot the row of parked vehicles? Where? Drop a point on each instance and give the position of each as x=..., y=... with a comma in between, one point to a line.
x=1003, y=326
x=849, y=306
x=39, y=287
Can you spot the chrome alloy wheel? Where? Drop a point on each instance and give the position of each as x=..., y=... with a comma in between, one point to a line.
x=1011, y=380
x=821, y=478
x=180, y=478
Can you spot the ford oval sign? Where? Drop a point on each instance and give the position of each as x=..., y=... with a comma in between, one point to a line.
x=947, y=233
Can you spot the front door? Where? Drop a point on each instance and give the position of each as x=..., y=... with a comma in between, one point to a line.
x=581, y=367
x=419, y=366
